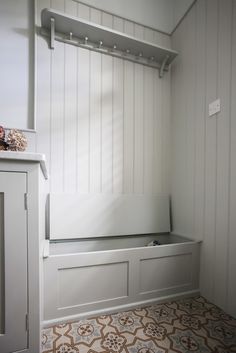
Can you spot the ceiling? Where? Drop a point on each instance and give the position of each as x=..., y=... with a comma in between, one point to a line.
x=163, y=15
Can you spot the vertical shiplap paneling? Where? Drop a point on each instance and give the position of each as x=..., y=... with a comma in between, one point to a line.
x=231, y=285
x=83, y=102
x=175, y=92
x=118, y=126
x=157, y=131
x=43, y=81
x=95, y=114
x=138, y=31
x=181, y=142
x=184, y=126
x=107, y=118
x=128, y=118
x=57, y=111
x=165, y=133
x=70, y=116
x=118, y=24
x=107, y=144
x=162, y=39
x=95, y=16
x=118, y=117
x=208, y=250
x=223, y=129
x=199, y=116
x=107, y=20
x=138, y=119
x=95, y=123
x=190, y=85
x=148, y=120
x=213, y=143
x=98, y=118
x=138, y=129
x=178, y=139
x=83, y=11
x=148, y=35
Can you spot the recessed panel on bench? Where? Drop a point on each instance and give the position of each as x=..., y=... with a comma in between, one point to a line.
x=165, y=272
x=83, y=216
x=92, y=284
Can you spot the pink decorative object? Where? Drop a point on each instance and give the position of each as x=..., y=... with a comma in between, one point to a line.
x=2, y=133
x=16, y=140
x=3, y=144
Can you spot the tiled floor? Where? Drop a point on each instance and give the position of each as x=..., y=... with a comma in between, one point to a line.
x=190, y=325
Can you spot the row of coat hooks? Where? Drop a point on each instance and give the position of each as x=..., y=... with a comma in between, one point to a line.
x=99, y=47
x=113, y=49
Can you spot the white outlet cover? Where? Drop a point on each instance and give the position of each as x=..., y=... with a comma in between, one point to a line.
x=214, y=107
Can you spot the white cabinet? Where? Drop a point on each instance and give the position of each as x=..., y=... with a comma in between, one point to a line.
x=20, y=183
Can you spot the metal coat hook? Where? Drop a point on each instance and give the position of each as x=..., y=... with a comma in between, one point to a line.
x=52, y=32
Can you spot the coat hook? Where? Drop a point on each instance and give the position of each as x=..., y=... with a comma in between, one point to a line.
x=100, y=44
x=52, y=32
x=70, y=36
x=86, y=40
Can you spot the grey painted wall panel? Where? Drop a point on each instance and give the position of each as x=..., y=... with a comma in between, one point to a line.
x=231, y=259
x=17, y=64
x=101, y=282
x=203, y=170
x=98, y=117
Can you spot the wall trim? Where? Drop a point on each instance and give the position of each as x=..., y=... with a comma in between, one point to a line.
x=107, y=311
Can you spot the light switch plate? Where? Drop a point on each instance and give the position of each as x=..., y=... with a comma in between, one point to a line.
x=214, y=107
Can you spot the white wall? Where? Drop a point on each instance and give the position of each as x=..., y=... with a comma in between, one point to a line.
x=17, y=64
x=102, y=122
x=203, y=160
x=162, y=15
x=157, y=14
x=179, y=9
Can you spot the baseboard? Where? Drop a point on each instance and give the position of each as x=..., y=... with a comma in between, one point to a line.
x=124, y=307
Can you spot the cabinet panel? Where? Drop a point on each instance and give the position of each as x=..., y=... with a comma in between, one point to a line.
x=13, y=262
x=2, y=284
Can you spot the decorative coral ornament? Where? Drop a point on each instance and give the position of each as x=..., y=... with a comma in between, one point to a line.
x=16, y=140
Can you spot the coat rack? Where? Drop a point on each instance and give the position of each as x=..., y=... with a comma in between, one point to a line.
x=72, y=30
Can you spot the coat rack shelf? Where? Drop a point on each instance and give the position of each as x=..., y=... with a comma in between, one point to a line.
x=75, y=31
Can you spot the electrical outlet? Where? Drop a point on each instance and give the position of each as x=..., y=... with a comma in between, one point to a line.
x=214, y=107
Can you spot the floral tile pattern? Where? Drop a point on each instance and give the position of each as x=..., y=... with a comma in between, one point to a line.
x=184, y=326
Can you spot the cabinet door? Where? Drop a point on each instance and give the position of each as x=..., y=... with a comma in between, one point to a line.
x=13, y=262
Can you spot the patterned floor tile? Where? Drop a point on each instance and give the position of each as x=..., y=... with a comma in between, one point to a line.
x=184, y=326
x=126, y=322
x=145, y=347
x=84, y=331
x=113, y=342
x=187, y=341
